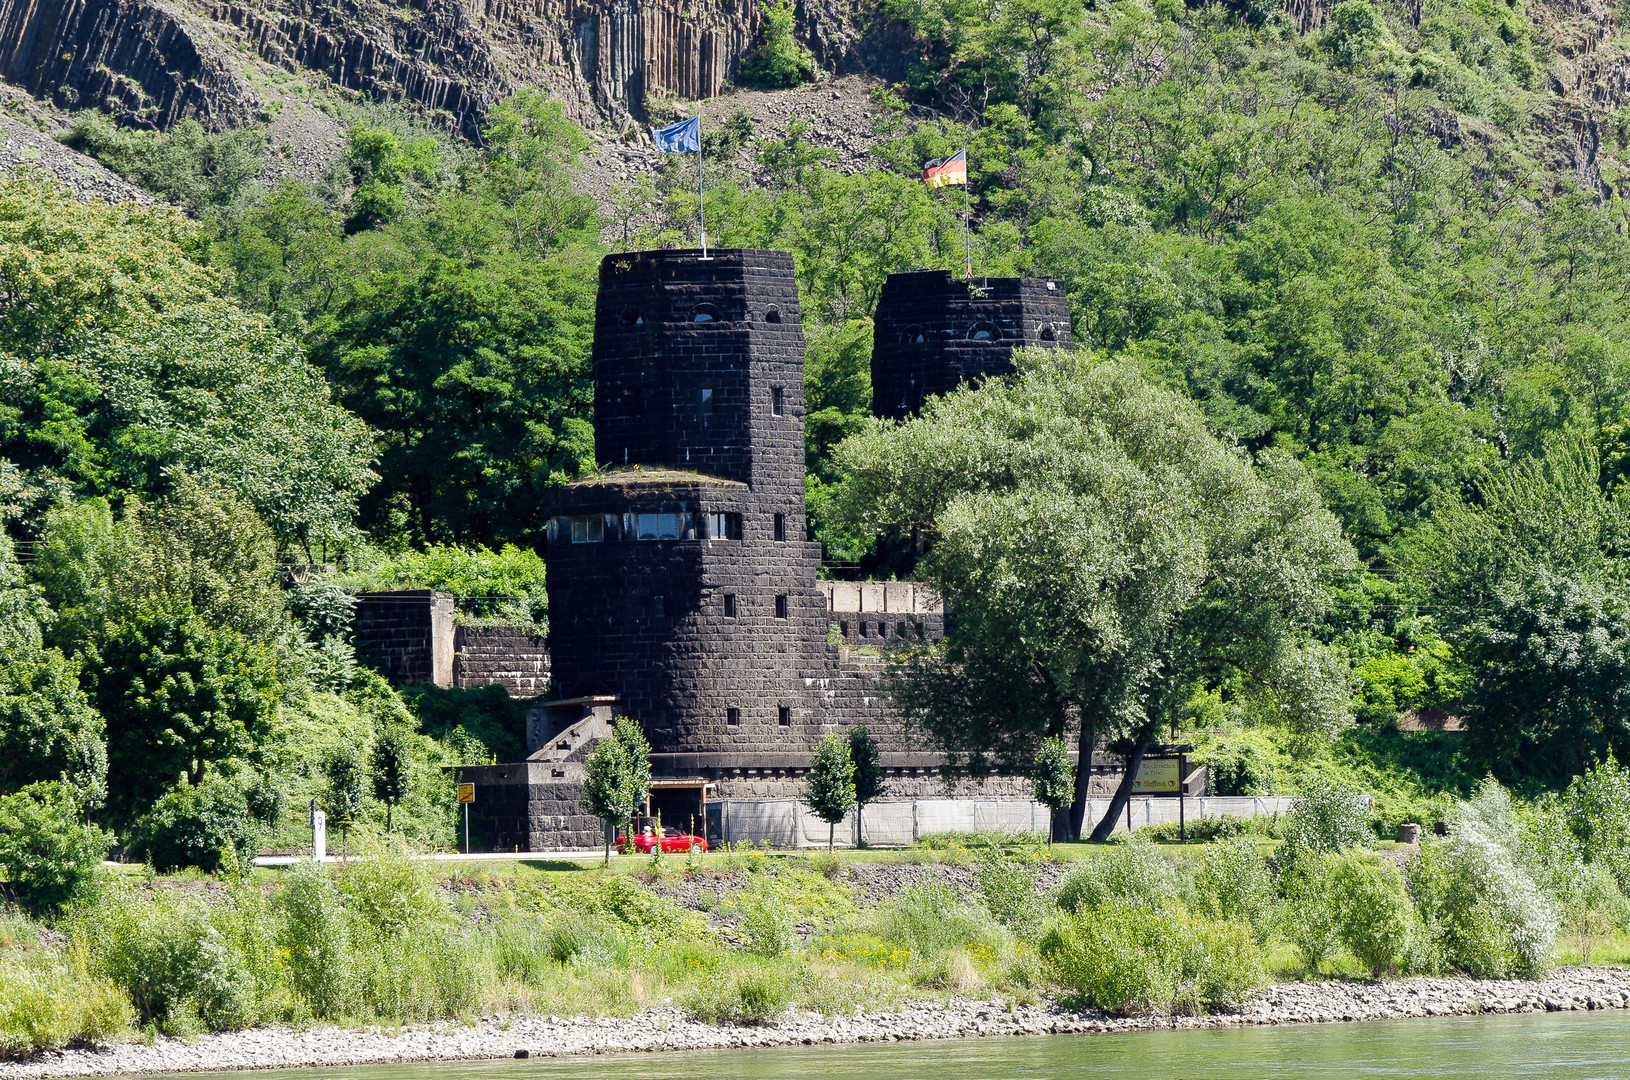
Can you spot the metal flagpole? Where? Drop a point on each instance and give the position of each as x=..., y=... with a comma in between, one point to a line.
x=701, y=201
x=967, y=212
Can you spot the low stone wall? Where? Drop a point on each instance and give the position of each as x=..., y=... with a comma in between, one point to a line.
x=505, y=655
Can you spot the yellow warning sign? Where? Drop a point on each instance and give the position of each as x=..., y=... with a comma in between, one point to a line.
x=466, y=792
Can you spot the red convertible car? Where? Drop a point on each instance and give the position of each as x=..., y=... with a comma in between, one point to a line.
x=670, y=840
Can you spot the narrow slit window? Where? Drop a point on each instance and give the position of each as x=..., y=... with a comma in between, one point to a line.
x=732, y=717
x=658, y=607
x=707, y=401
x=784, y=716
x=730, y=605
x=781, y=606
x=778, y=401
x=779, y=524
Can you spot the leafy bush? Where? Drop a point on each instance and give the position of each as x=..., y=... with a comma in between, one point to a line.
x=498, y=587
x=1595, y=910
x=1311, y=921
x=195, y=826
x=1485, y=913
x=48, y=999
x=1131, y=957
x=1135, y=870
x=317, y=939
x=1239, y=768
x=1233, y=882
x=779, y=61
x=749, y=996
x=1328, y=817
x=168, y=953
x=1599, y=812
x=765, y=919
x=1374, y=916
x=928, y=919
x=1007, y=882
x=50, y=858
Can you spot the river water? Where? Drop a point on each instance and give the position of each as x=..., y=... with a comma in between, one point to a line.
x=1557, y=1046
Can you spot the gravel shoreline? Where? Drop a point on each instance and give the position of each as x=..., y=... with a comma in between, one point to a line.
x=667, y=1029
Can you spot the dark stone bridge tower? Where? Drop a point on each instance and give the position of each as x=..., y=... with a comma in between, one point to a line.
x=680, y=579
x=934, y=332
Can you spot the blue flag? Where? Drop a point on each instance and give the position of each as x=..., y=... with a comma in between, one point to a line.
x=685, y=135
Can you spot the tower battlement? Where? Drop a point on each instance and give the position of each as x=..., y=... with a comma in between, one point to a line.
x=934, y=332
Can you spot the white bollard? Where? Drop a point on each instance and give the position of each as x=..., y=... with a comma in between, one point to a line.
x=319, y=835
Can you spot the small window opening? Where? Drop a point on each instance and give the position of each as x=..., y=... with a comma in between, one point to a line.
x=784, y=716
x=914, y=335
x=732, y=717
x=657, y=607
x=863, y=632
x=630, y=317
x=777, y=400
x=983, y=331
x=843, y=628
x=707, y=400
x=657, y=526
x=781, y=607
x=724, y=526
x=772, y=314
x=705, y=313
x=730, y=605
x=1048, y=333
x=589, y=529
x=780, y=526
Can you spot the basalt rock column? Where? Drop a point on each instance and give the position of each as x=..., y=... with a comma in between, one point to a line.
x=680, y=579
x=935, y=332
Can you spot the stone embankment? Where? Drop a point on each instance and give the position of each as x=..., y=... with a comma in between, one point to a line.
x=667, y=1029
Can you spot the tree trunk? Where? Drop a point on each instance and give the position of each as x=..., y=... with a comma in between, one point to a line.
x=1083, y=781
x=607, y=825
x=388, y=808
x=859, y=834
x=831, y=831
x=1123, y=794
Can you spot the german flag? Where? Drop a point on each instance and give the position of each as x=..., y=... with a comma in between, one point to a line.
x=947, y=172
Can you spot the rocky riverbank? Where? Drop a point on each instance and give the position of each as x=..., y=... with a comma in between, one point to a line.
x=668, y=1029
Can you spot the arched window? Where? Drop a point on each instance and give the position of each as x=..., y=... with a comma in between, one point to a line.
x=631, y=317
x=772, y=314
x=984, y=331
x=1048, y=333
x=914, y=335
x=705, y=313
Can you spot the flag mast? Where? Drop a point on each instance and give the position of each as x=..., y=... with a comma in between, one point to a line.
x=967, y=214
x=701, y=201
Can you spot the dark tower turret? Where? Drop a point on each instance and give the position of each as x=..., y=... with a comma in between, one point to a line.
x=680, y=580
x=934, y=332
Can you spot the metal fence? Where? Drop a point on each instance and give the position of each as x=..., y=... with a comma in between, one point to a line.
x=787, y=823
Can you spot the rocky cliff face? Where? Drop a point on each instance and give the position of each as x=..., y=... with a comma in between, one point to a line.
x=154, y=62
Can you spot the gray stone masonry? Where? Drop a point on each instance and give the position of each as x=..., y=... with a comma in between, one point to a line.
x=407, y=636
x=934, y=332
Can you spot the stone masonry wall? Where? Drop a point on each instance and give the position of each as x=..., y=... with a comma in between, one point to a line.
x=407, y=636
x=934, y=332
x=506, y=655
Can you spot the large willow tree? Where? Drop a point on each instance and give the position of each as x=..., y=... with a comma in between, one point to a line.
x=1103, y=556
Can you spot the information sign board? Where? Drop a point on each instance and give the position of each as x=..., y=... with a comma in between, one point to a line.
x=466, y=793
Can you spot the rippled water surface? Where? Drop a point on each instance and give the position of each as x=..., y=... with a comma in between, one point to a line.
x=1564, y=1046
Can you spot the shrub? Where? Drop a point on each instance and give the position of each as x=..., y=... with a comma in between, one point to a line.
x=1311, y=921
x=49, y=857
x=194, y=826
x=779, y=61
x=181, y=972
x=1327, y=817
x=1233, y=882
x=1598, y=805
x=1133, y=871
x=317, y=940
x=1130, y=957
x=1486, y=915
x=765, y=919
x=928, y=919
x=748, y=996
x=1374, y=916
x=1007, y=884
x=48, y=999
x=1594, y=910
